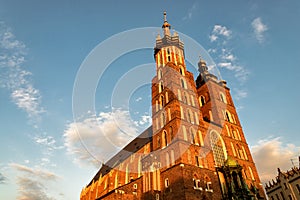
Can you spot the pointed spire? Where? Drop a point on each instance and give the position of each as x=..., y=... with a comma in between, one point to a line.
x=166, y=26
x=165, y=16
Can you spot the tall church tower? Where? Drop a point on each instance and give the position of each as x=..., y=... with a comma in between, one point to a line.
x=196, y=128
x=195, y=148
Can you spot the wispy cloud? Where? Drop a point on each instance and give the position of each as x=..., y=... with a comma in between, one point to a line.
x=240, y=94
x=32, y=189
x=48, y=142
x=14, y=77
x=219, y=31
x=274, y=150
x=2, y=179
x=227, y=60
x=40, y=173
x=33, y=183
x=96, y=138
x=259, y=29
x=191, y=11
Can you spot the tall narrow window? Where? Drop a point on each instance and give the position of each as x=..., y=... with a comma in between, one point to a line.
x=127, y=174
x=189, y=115
x=245, y=154
x=233, y=149
x=160, y=87
x=171, y=133
x=210, y=116
x=227, y=115
x=228, y=132
x=159, y=75
x=196, y=118
x=166, y=182
x=223, y=97
x=179, y=94
x=165, y=139
x=162, y=101
x=193, y=136
x=139, y=166
x=251, y=173
x=197, y=161
x=180, y=69
x=158, y=141
x=233, y=118
x=184, y=133
x=116, y=180
x=183, y=85
x=167, y=97
x=163, y=119
x=238, y=134
x=202, y=100
x=169, y=114
x=200, y=138
x=192, y=100
x=181, y=113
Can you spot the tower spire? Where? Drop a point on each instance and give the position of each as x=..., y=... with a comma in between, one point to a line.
x=166, y=26
x=165, y=16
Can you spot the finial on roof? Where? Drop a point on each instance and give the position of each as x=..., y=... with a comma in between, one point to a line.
x=165, y=16
x=166, y=26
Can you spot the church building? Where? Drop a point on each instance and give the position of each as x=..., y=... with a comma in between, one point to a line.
x=195, y=148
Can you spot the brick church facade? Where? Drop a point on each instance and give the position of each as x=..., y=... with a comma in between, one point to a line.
x=195, y=148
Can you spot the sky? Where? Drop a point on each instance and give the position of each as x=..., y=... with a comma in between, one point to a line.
x=75, y=82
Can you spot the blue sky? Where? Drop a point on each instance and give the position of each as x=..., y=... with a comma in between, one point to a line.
x=43, y=46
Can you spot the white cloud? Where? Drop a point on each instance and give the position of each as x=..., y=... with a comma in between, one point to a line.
x=259, y=29
x=227, y=55
x=218, y=31
x=226, y=59
x=95, y=139
x=145, y=120
x=271, y=154
x=213, y=38
x=138, y=99
x=14, y=77
x=229, y=61
x=33, y=183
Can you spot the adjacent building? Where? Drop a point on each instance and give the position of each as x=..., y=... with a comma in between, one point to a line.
x=286, y=186
x=195, y=148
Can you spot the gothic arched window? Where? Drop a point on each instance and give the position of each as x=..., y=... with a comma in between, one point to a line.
x=218, y=148
x=223, y=97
